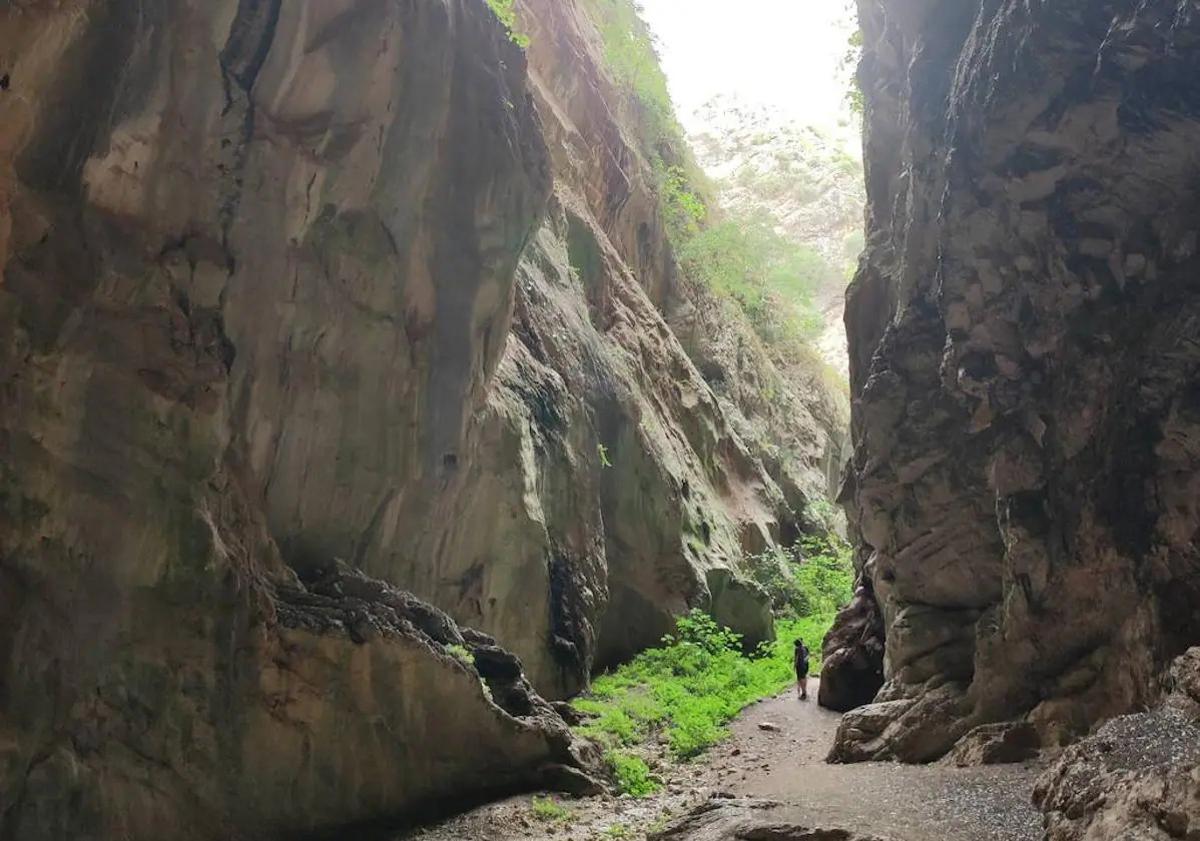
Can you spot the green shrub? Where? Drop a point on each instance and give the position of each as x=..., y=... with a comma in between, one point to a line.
x=772, y=278
x=507, y=14
x=815, y=578
x=684, y=692
x=631, y=58
x=546, y=809
x=855, y=98
x=631, y=773
x=461, y=654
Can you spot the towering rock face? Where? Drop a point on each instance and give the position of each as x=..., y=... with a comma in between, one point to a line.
x=247, y=314
x=1023, y=363
x=606, y=487
x=308, y=307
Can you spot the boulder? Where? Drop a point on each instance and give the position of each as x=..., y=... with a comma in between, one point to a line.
x=747, y=820
x=1136, y=777
x=997, y=744
x=852, y=664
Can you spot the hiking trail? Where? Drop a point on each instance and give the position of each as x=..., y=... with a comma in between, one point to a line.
x=785, y=763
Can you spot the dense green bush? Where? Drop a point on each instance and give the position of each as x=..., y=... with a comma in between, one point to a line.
x=816, y=577
x=631, y=58
x=770, y=278
x=683, y=693
x=631, y=773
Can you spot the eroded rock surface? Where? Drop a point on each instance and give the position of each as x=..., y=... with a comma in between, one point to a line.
x=1023, y=363
x=746, y=820
x=1137, y=777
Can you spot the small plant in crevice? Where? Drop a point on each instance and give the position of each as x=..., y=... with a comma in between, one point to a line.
x=461, y=654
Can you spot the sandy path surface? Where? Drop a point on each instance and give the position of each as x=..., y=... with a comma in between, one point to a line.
x=786, y=764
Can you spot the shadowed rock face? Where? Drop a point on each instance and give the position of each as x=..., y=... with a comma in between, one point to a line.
x=247, y=313
x=1023, y=362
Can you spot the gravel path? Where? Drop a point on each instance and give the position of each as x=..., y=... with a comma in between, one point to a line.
x=901, y=802
x=786, y=763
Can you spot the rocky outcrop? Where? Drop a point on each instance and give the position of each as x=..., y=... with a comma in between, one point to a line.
x=1137, y=777
x=852, y=653
x=606, y=486
x=1023, y=362
x=747, y=820
x=315, y=317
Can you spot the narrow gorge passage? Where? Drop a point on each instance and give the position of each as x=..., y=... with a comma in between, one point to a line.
x=773, y=770
x=408, y=405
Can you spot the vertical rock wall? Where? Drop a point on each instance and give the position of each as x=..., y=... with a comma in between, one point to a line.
x=247, y=312
x=1023, y=363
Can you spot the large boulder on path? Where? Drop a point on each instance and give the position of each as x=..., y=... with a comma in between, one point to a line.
x=852, y=655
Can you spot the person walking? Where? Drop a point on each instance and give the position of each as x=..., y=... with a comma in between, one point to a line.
x=801, y=662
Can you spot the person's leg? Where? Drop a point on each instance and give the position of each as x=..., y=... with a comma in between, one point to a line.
x=804, y=688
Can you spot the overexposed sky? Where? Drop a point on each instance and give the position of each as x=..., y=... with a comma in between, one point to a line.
x=781, y=53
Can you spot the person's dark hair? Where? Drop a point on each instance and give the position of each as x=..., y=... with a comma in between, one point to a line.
x=799, y=642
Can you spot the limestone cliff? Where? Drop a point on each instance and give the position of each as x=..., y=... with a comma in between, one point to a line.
x=307, y=308
x=1023, y=365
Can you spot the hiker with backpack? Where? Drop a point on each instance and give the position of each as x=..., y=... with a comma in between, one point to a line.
x=801, y=663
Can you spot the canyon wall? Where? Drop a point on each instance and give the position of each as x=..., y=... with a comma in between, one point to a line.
x=316, y=321
x=1024, y=365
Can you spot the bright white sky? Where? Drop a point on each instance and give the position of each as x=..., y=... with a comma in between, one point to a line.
x=781, y=53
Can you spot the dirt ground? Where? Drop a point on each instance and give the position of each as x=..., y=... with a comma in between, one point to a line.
x=785, y=762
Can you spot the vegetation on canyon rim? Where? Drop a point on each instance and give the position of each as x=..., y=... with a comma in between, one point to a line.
x=674, y=701
x=743, y=259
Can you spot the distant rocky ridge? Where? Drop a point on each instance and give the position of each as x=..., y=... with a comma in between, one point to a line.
x=807, y=181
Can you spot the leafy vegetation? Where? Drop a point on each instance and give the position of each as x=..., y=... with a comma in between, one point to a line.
x=550, y=811
x=854, y=48
x=507, y=14
x=461, y=654
x=631, y=773
x=679, y=696
x=812, y=579
x=631, y=57
x=773, y=279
